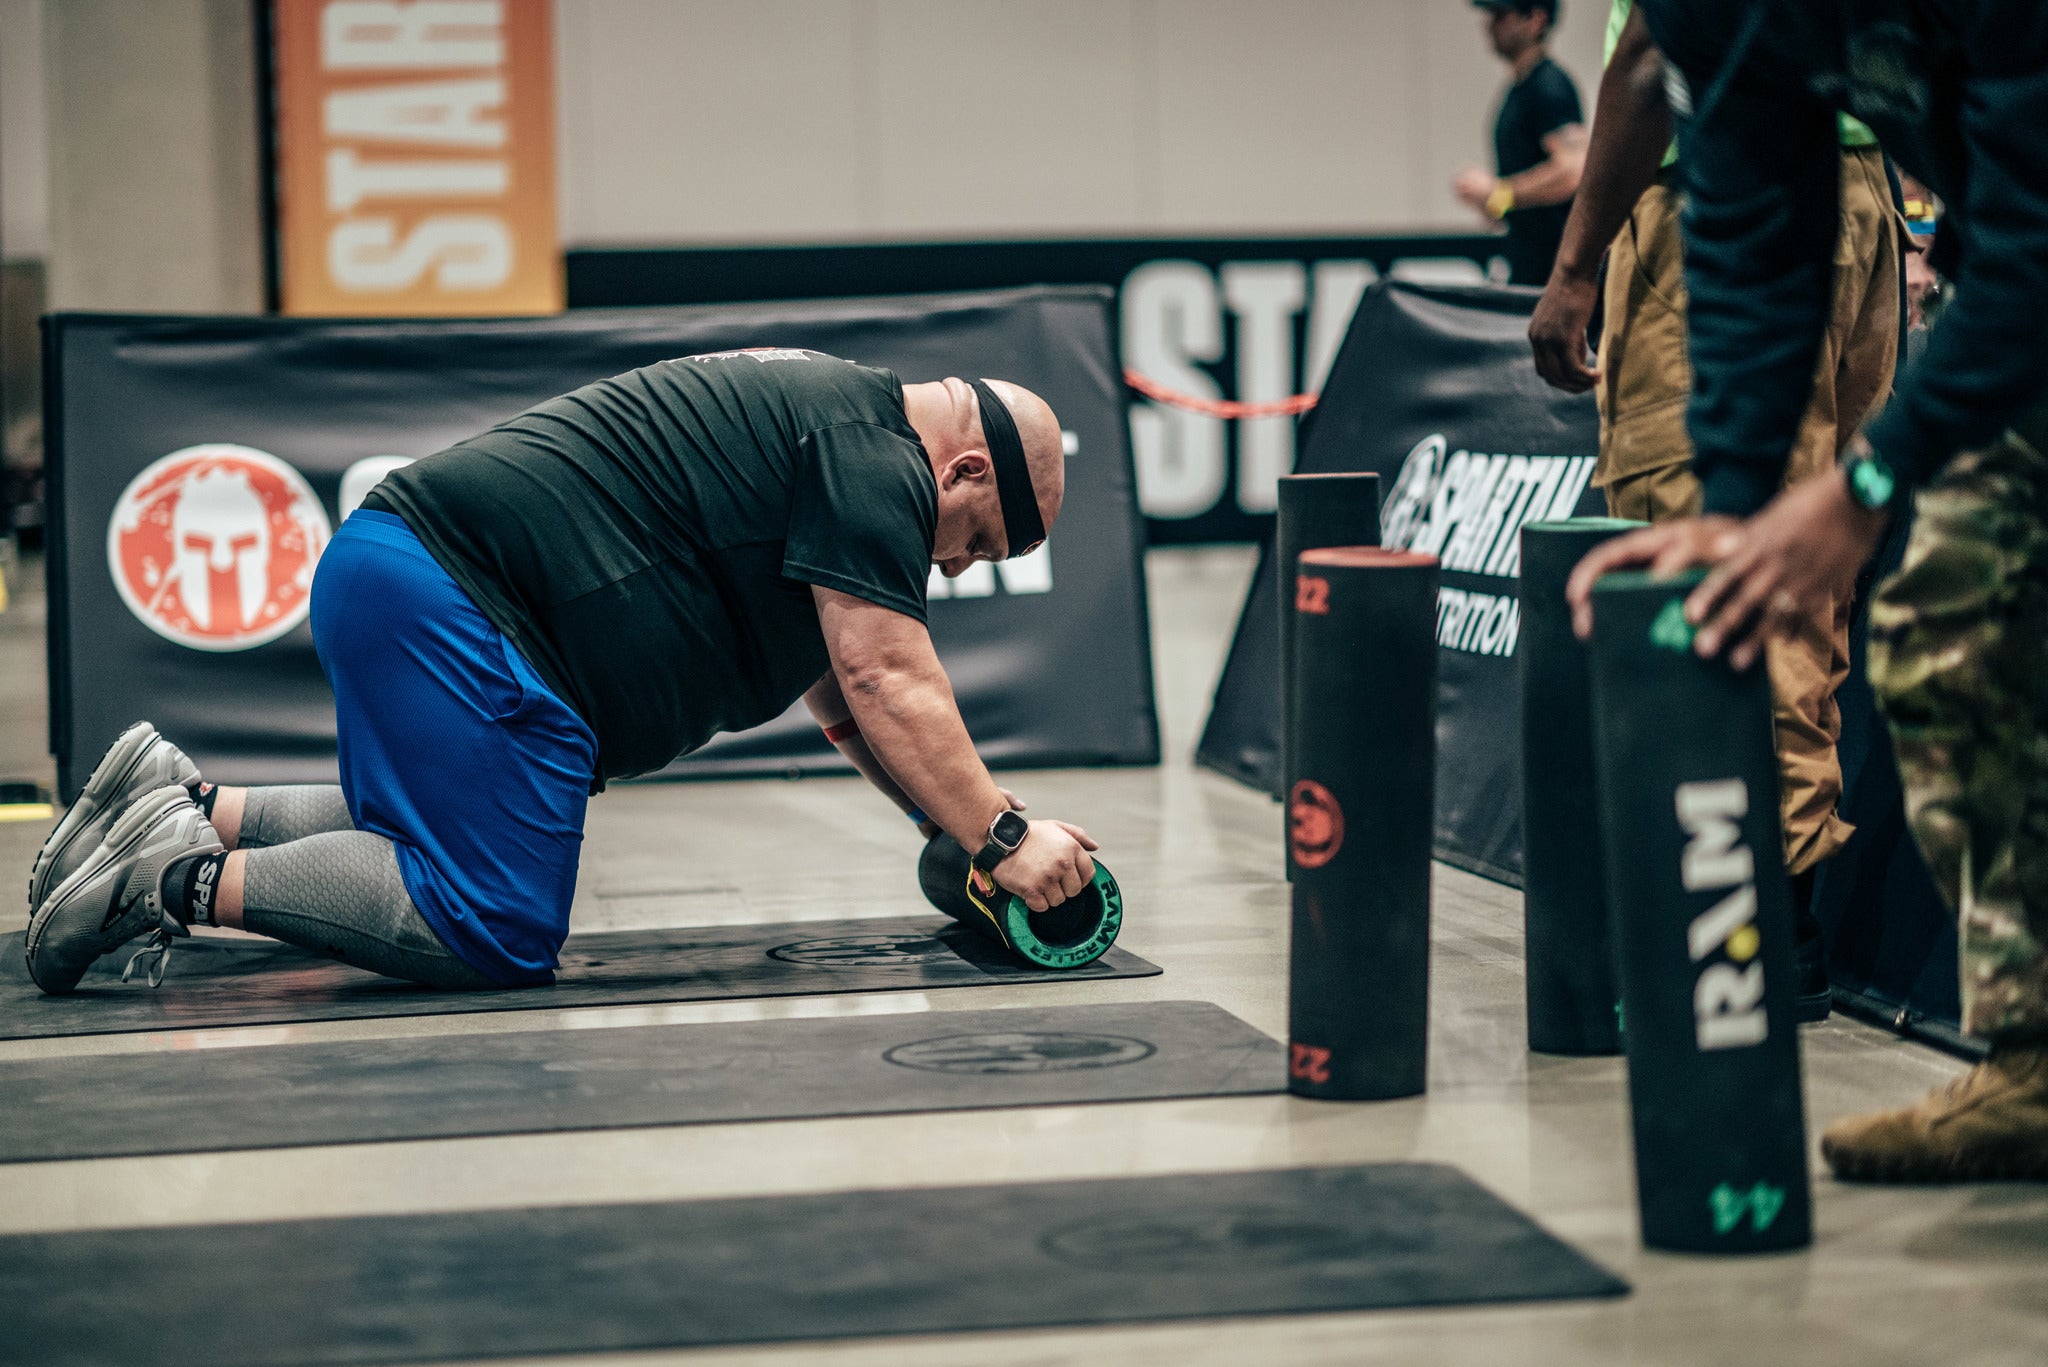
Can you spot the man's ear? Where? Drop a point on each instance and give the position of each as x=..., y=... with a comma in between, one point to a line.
x=968, y=467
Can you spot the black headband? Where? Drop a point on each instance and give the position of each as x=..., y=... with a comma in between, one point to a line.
x=1021, y=523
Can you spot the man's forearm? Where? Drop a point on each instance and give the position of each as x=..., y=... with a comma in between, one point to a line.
x=835, y=718
x=1549, y=182
x=911, y=725
x=1631, y=132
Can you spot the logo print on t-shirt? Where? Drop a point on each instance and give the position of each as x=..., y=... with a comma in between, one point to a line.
x=213, y=546
x=763, y=354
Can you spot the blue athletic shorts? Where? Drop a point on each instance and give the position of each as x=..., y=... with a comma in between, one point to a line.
x=453, y=749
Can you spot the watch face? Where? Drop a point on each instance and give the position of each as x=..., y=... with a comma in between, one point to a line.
x=1009, y=830
x=1871, y=481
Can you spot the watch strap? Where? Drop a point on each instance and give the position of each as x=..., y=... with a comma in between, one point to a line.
x=987, y=857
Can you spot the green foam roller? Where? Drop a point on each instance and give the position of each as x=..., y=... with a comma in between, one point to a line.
x=1072, y=935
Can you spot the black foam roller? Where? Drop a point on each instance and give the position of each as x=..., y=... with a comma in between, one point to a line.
x=1315, y=511
x=1573, y=999
x=1073, y=934
x=1702, y=911
x=1360, y=814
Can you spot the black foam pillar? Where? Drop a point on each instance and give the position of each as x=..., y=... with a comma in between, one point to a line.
x=1573, y=1000
x=1315, y=511
x=1702, y=912
x=1360, y=816
x=1073, y=934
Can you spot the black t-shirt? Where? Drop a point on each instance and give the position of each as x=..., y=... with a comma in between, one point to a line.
x=649, y=542
x=1536, y=106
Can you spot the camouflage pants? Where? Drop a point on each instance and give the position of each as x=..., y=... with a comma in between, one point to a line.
x=1959, y=660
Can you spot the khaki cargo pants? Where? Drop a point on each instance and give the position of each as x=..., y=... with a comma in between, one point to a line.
x=1646, y=457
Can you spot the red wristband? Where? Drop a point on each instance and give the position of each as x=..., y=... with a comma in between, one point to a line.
x=838, y=733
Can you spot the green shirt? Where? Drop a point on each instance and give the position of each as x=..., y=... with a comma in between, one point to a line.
x=1854, y=132
x=649, y=542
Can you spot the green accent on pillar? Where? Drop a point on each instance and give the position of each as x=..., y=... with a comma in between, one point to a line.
x=1671, y=631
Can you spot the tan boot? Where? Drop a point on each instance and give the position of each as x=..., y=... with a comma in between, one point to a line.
x=1989, y=1124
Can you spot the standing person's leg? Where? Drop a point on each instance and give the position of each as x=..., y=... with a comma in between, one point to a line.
x=1645, y=470
x=1851, y=378
x=1958, y=652
x=1645, y=375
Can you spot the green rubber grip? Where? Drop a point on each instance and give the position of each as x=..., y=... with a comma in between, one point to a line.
x=1072, y=935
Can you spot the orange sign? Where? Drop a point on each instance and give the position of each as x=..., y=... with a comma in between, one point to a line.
x=416, y=157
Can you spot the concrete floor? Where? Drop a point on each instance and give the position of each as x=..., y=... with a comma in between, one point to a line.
x=1953, y=1276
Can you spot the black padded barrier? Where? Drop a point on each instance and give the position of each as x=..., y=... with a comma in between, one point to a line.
x=1358, y=823
x=1339, y=509
x=1433, y=391
x=539, y=1081
x=218, y=982
x=1573, y=1003
x=843, y=1264
x=1703, y=916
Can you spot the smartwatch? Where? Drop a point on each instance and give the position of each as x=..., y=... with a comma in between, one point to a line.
x=1871, y=482
x=1005, y=834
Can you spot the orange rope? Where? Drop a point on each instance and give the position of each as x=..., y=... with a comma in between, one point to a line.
x=1219, y=408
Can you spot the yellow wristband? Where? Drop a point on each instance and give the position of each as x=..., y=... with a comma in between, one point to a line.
x=1500, y=201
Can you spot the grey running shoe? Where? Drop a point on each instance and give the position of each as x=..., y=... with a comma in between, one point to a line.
x=139, y=762
x=118, y=894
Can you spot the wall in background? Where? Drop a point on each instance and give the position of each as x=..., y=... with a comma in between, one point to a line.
x=24, y=191
x=731, y=121
x=154, y=186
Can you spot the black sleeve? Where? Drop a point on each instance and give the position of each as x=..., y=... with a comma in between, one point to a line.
x=1762, y=170
x=1987, y=359
x=863, y=516
x=1554, y=101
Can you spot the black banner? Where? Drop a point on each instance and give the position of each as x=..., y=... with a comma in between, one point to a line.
x=220, y=452
x=1434, y=391
x=1217, y=318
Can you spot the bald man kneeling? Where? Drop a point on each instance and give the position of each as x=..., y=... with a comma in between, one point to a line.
x=585, y=593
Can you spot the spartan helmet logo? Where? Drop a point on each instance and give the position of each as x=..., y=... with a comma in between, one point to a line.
x=220, y=548
x=1407, y=504
x=1019, y=1051
x=865, y=951
x=214, y=546
x=1222, y=1237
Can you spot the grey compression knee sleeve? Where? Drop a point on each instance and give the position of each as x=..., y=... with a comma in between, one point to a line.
x=277, y=816
x=340, y=894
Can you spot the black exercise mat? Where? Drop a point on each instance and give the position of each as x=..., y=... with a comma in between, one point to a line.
x=355, y=1091
x=592, y=1279
x=215, y=982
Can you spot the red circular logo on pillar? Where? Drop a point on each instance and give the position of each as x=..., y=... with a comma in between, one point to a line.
x=214, y=546
x=1315, y=824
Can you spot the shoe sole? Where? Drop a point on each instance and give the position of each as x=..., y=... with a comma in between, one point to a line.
x=1850, y=1168
x=132, y=827
x=137, y=739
